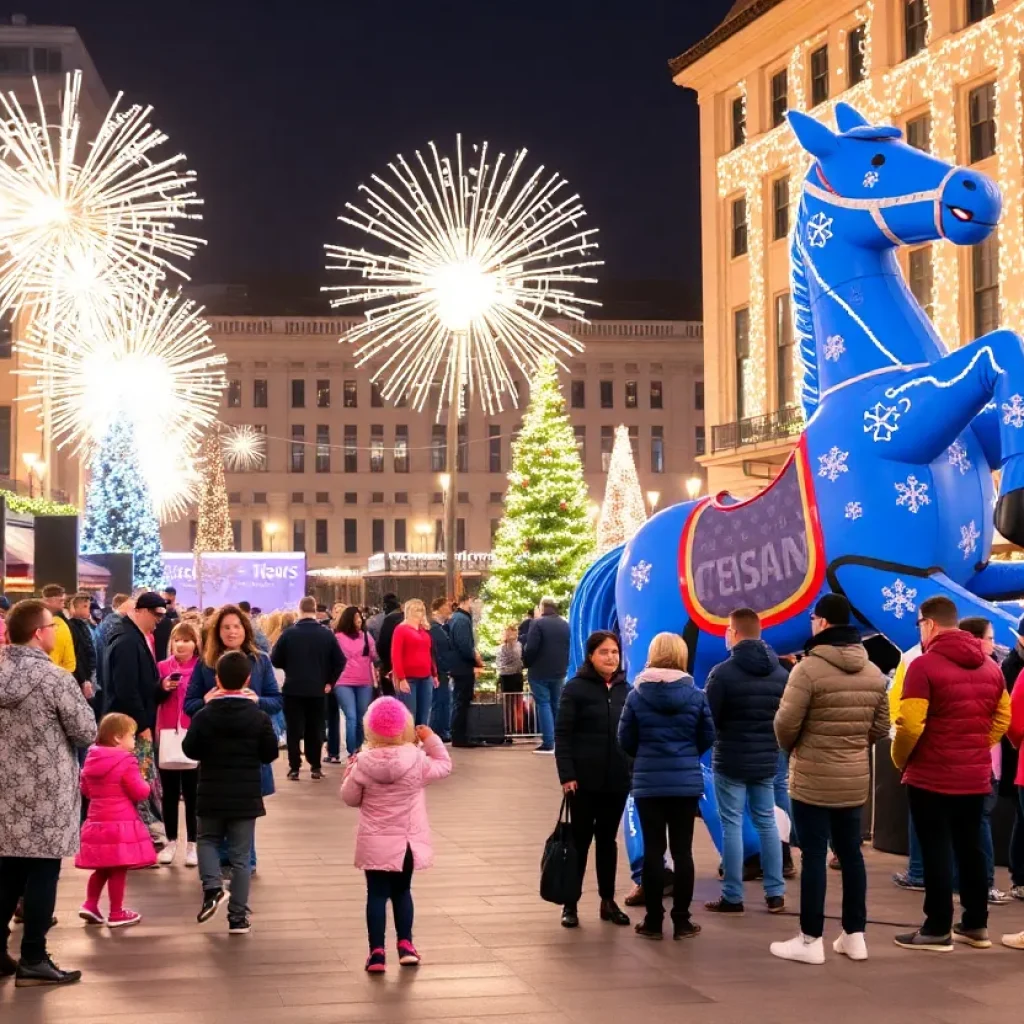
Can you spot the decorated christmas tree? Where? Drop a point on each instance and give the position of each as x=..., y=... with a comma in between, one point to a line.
x=213, y=530
x=545, y=540
x=119, y=512
x=623, y=512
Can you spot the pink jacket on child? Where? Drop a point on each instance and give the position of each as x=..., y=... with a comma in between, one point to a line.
x=114, y=835
x=387, y=784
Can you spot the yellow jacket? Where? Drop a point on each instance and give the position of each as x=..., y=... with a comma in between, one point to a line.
x=63, y=653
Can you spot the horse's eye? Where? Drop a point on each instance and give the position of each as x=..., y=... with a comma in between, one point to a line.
x=878, y=160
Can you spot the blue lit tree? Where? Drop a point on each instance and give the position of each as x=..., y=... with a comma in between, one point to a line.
x=119, y=512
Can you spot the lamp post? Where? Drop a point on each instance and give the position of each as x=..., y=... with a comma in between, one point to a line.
x=423, y=531
x=693, y=486
x=653, y=497
x=272, y=530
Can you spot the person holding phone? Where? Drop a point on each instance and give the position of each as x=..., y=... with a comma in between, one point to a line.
x=177, y=783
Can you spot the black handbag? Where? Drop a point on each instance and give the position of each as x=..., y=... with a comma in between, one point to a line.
x=559, y=865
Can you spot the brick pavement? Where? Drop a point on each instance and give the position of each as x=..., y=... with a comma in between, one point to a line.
x=493, y=952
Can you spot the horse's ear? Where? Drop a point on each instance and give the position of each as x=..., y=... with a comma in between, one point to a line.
x=819, y=140
x=848, y=118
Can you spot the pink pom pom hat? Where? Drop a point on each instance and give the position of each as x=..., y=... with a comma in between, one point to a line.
x=387, y=718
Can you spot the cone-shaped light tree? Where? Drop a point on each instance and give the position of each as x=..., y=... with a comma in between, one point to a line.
x=213, y=530
x=623, y=511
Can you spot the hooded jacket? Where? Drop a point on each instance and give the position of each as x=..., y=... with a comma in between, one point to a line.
x=43, y=719
x=666, y=726
x=954, y=709
x=833, y=708
x=546, y=651
x=744, y=693
x=130, y=675
x=114, y=835
x=387, y=785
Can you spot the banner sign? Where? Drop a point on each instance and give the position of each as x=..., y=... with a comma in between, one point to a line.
x=267, y=580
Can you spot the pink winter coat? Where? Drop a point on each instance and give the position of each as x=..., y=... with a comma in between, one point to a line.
x=170, y=707
x=386, y=784
x=113, y=835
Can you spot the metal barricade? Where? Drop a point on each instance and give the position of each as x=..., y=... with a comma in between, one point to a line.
x=519, y=714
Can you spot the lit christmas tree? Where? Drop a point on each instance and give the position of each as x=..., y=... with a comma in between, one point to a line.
x=119, y=512
x=545, y=540
x=623, y=512
x=213, y=530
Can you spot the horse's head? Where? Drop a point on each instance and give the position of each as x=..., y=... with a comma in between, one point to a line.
x=886, y=193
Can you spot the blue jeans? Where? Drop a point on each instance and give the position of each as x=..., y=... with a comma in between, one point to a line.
x=782, y=800
x=441, y=708
x=546, y=695
x=225, y=860
x=733, y=796
x=353, y=701
x=418, y=699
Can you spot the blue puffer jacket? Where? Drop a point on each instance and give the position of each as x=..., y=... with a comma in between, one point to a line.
x=666, y=725
x=744, y=694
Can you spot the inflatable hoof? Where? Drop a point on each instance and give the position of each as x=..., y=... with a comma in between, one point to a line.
x=1009, y=519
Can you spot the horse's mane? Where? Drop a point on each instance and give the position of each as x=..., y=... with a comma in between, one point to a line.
x=803, y=325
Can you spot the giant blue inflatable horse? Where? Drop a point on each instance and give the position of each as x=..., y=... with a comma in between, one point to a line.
x=888, y=497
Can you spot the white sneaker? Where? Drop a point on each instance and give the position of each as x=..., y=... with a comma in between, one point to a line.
x=167, y=854
x=997, y=897
x=191, y=856
x=803, y=949
x=852, y=946
x=1015, y=941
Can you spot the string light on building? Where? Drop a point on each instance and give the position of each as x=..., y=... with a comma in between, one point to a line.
x=623, y=511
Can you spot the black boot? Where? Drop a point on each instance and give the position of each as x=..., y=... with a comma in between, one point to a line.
x=610, y=912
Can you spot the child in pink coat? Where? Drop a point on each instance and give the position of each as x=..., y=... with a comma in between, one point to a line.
x=386, y=782
x=114, y=838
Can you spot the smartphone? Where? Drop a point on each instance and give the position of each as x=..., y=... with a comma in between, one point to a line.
x=175, y=677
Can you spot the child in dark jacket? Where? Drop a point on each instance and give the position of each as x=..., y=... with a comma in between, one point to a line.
x=232, y=739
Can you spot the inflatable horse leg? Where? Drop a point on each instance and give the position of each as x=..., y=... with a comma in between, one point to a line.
x=998, y=582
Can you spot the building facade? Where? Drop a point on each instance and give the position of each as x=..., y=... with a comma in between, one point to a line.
x=948, y=72
x=349, y=476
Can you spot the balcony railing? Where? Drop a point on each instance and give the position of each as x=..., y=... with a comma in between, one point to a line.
x=773, y=426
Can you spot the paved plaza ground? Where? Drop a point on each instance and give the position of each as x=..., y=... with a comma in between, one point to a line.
x=492, y=950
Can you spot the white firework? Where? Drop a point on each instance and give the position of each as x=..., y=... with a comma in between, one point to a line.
x=244, y=448
x=474, y=263
x=83, y=220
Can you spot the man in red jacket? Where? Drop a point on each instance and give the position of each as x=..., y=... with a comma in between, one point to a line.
x=954, y=709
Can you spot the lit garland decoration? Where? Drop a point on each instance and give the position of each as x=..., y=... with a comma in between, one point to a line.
x=36, y=506
x=623, y=511
x=474, y=267
x=244, y=449
x=213, y=529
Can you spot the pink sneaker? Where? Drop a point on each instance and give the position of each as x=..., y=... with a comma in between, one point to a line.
x=376, y=962
x=123, y=918
x=90, y=912
x=407, y=955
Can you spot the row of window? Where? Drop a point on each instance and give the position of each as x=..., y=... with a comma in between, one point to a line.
x=30, y=60
x=915, y=32
x=352, y=498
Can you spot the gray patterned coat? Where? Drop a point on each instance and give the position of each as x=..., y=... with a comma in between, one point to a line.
x=43, y=718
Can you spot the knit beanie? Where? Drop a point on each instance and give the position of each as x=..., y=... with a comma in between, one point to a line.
x=387, y=718
x=834, y=609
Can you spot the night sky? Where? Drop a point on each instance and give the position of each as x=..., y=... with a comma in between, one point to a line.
x=284, y=108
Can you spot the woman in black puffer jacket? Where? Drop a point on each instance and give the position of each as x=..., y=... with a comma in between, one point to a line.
x=592, y=766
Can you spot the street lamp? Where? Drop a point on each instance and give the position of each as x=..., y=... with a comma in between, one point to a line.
x=36, y=470
x=272, y=531
x=693, y=486
x=423, y=531
x=653, y=497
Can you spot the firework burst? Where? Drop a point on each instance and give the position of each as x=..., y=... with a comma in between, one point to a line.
x=244, y=448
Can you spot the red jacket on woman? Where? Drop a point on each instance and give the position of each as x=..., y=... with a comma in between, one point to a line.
x=412, y=653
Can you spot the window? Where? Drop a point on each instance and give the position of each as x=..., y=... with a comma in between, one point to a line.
x=6, y=336
x=323, y=394
x=739, y=227
x=494, y=447
x=5, y=444
x=698, y=395
x=915, y=26
x=985, y=258
x=234, y=497
x=462, y=449
x=401, y=449
x=634, y=443
x=919, y=132
x=298, y=497
x=496, y=497
x=401, y=541
x=377, y=535
x=14, y=60
x=438, y=448
x=236, y=533
x=978, y=9
x=741, y=338
x=377, y=448
x=607, y=395
x=656, y=395
x=495, y=523
x=46, y=62
x=298, y=449
x=257, y=535
x=349, y=395
x=320, y=536
x=298, y=394
x=298, y=535
x=784, y=352
x=234, y=394
x=982, y=107
x=578, y=394
x=780, y=97
x=259, y=497
x=819, y=76
x=739, y=121
x=351, y=498
x=351, y=449
x=323, y=448
x=351, y=537
x=376, y=398
x=699, y=440
x=460, y=534
x=855, y=57
x=376, y=497
x=401, y=497
x=607, y=443
x=581, y=443
x=921, y=277
x=657, y=449
x=630, y=394
x=780, y=208
x=438, y=535
x=259, y=394
x=437, y=498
